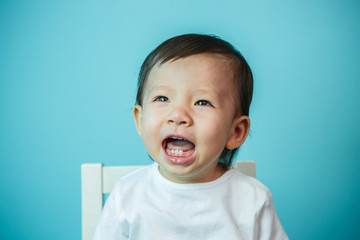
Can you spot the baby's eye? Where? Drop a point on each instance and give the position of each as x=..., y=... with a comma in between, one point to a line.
x=162, y=99
x=203, y=103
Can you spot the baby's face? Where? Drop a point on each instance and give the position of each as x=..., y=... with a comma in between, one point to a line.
x=188, y=116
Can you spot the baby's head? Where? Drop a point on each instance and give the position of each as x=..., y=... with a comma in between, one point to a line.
x=191, y=77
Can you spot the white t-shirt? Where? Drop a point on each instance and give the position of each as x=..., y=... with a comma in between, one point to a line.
x=146, y=206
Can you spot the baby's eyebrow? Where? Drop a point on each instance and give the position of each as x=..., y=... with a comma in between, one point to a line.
x=159, y=88
x=207, y=92
x=203, y=91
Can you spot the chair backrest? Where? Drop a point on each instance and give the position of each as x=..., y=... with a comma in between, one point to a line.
x=97, y=180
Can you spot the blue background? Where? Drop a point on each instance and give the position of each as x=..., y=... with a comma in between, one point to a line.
x=68, y=72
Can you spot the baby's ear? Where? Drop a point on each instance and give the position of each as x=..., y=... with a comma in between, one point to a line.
x=137, y=111
x=240, y=131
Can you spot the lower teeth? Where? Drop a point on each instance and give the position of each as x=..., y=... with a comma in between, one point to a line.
x=176, y=152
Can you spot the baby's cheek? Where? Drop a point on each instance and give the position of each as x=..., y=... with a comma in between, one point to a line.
x=214, y=135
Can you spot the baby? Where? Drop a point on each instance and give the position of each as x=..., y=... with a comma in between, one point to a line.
x=192, y=113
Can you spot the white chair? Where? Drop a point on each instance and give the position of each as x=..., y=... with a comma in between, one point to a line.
x=97, y=180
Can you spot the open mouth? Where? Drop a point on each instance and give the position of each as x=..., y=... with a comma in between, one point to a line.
x=178, y=150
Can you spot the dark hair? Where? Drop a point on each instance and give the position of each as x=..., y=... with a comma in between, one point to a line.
x=190, y=44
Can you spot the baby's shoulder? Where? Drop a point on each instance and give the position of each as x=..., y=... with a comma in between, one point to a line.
x=133, y=180
x=242, y=183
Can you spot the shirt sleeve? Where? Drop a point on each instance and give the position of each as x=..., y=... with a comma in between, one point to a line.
x=268, y=225
x=109, y=227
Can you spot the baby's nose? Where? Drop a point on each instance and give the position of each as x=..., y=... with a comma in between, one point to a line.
x=180, y=116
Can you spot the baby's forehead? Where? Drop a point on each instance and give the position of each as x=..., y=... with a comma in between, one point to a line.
x=204, y=63
x=203, y=70
x=215, y=60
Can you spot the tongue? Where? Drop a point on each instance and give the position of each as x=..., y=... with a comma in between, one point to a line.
x=180, y=144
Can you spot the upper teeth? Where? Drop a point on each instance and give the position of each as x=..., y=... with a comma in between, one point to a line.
x=176, y=138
